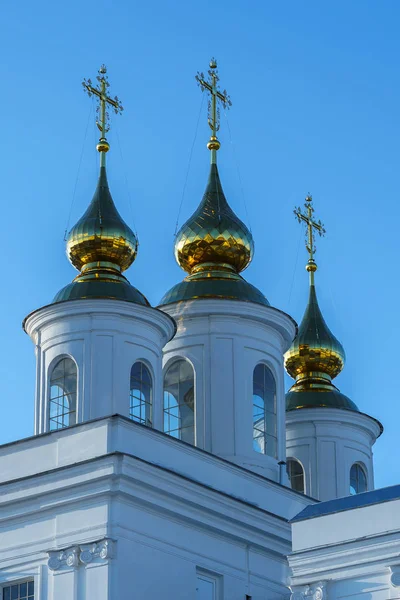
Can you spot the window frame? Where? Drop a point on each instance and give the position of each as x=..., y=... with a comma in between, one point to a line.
x=211, y=577
x=148, y=405
x=360, y=468
x=178, y=404
x=296, y=461
x=54, y=363
x=10, y=583
x=266, y=425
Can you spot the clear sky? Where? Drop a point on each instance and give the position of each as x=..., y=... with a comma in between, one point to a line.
x=316, y=105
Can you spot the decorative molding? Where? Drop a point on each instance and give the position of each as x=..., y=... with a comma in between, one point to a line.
x=316, y=591
x=103, y=550
x=61, y=558
x=74, y=556
x=395, y=576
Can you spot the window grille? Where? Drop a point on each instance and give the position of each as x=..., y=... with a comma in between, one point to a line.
x=264, y=411
x=179, y=401
x=296, y=475
x=141, y=391
x=19, y=591
x=358, y=479
x=62, y=401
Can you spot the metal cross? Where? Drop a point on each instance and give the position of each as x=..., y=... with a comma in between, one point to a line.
x=211, y=86
x=101, y=93
x=307, y=218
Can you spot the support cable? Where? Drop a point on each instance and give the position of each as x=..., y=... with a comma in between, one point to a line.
x=238, y=170
x=77, y=175
x=295, y=266
x=189, y=164
x=126, y=182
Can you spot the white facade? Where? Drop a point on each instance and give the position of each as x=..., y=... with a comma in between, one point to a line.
x=104, y=338
x=113, y=509
x=327, y=442
x=350, y=551
x=225, y=340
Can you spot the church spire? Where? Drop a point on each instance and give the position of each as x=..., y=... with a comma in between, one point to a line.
x=316, y=356
x=214, y=238
x=307, y=218
x=101, y=245
x=102, y=121
x=216, y=95
x=214, y=245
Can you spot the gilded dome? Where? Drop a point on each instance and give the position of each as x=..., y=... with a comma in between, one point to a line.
x=315, y=357
x=315, y=349
x=214, y=246
x=101, y=235
x=101, y=245
x=214, y=235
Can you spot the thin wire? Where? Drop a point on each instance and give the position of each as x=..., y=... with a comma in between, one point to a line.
x=126, y=182
x=95, y=136
x=295, y=266
x=77, y=175
x=217, y=188
x=238, y=170
x=189, y=164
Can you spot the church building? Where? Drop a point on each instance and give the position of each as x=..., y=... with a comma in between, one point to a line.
x=167, y=460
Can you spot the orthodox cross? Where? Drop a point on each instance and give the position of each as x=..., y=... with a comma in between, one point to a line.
x=307, y=218
x=211, y=86
x=102, y=121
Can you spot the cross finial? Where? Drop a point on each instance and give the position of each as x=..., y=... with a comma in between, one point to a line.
x=102, y=120
x=307, y=218
x=211, y=86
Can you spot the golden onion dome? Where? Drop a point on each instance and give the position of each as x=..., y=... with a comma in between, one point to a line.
x=101, y=245
x=214, y=237
x=101, y=237
x=315, y=348
x=214, y=246
x=315, y=357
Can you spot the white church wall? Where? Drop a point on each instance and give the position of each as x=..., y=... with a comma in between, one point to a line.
x=327, y=442
x=224, y=341
x=352, y=554
x=104, y=338
x=91, y=509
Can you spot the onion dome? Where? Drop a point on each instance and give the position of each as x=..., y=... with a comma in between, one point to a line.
x=214, y=237
x=101, y=245
x=101, y=236
x=214, y=245
x=316, y=356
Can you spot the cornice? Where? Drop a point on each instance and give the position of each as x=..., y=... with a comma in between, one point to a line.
x=77, y=556
x=266, y=315
x=50, y=313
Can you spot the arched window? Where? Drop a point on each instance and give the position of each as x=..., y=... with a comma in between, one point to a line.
x=296, y=475
x=141, y=390
x=264, y=411
x=62, y=399
x=358, y=479
x=179, y=401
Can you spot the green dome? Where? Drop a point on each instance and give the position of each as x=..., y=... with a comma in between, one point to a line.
x=314, y=399
x=214, y=246
x=116, y=290
x=235, y=288
x=101, y=245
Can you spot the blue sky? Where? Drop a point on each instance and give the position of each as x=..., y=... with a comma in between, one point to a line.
x=316, y=105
